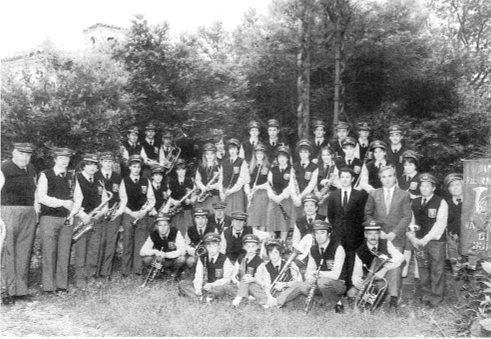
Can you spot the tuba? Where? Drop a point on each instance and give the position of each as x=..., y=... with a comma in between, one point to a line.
x=80, y=230
x=372, y=294
x=171, y=160
x=283, y=273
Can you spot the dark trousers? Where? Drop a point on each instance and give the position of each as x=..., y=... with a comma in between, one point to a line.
x=56, y=242
x=331, y=290
x=133, y=239
x=86, y=252
x=20, y=228
x=187, y=289
x=432, y=275
x=109, y=240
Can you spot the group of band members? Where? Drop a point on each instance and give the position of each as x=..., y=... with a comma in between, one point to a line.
x=345, y=203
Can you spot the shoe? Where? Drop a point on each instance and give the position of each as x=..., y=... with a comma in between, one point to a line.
x=339, y=308
x=7, y=300
x=393, y=304
x=26, y=297
x=237, y=301
x=61, y=291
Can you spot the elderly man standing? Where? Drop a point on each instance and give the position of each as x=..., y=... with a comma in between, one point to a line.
x=18, y=187
x=391, y=206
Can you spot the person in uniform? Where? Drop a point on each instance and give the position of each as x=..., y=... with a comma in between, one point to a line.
x=195, y=235
x=150, y=149
x=430, y=213
x=130, y=147
x=219, y=219
x=454, y=184
x=256, y=190
x=112, y=220
x=391, y=206
x=164, y=248
x=219, y=142
x=207, y=178
x=359, y=168
x=395, y=148
x=273, y=141
x=378, y=150
x=327, y=178
x=325, y=270
x=233, y=178
x=18, y=187
x=363, y=145
x=135, y=189
x=281, y=212
x=319, y=141
x=160, y=189
x=55, y=195
x=232, y=237
x=342, y=131
x=247, y=147
x=213, y=273
x=168, y=153
x=345, y=214
x=306, y=173
x=365, y=259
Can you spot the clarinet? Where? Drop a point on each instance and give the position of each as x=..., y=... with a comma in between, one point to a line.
x=285, y=215
x=253, y=190
x=310, y=297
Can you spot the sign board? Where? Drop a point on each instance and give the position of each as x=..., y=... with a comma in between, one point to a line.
x=475, y=239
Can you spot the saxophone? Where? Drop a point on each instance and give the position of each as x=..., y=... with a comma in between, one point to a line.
x=325, y=192
x=79, y=230
x=206, y=193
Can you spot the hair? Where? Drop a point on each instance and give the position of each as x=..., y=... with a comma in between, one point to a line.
x=204, y=163
x=387, y=168
x=81, y=165
x=134, y=162
x=266, y=164
x=410, y=161
x=271, y=247
x=320, y=162
x=347, y=170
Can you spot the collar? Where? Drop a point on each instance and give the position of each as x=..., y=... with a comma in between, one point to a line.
x=150, y=141
x=363, y=143
x=427, y=198
x=232, y=159
x=304, y=163
x=282, y=168
x=321, y=140
x=256, y=140
x=213, y=257
x=348, y=159
x=104, y=173
x=372, y=246
x=398, y=148
x=273, y=140
x=165, y=236
x=325, y=245
x=391, y=190
x=454, y=199
x=346, y=190
x=86, y=176
x=133, y=178
x=58, y=170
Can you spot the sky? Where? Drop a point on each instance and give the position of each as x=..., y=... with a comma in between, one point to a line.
x=26, y=24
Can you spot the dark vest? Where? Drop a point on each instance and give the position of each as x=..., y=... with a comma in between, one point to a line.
x=136, y=192
x=159, y=195
x=194, y=236
x=179, y=191
x=132, y=150
x=271, y=150
x=20, y=186
x=317, y=149
x=338, y=149
x=329, y=255
x=454, y=214
x=163, y=244
x=112, y=185
x=366, y=256
x=363, y=150
x=273, y=273
x=151, y=151
x=303, y=175
x=412, y=185
x=373, y=178
x=215, y=270
x=59, y=188
x=248, y=150
x=231, y=172
x=425, y=217
x=356, y=165
x=258, y=178
x=396, y=158
x=91, y=191
x=304, y=227
x=325, y=173
x=234, y=245
x=251, y=266
x=281, y=179
x=207, y=175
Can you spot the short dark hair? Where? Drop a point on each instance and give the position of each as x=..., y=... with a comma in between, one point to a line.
x=346, y=170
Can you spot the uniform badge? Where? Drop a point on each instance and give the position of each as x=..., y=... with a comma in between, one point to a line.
x=329, y=265
x=357, y=169
x=413, y=186
x=236, y=170
x=218, y=273
x=286, y=176
x=115, y=188
x=156, y=150
x=172, y=245
x=432, y=213
x=250, y=271
x=144, y=189
x=99, y=190
x=308, y=175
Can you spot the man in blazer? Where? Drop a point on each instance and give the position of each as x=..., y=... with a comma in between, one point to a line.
x=392, y=206
x=345, y=212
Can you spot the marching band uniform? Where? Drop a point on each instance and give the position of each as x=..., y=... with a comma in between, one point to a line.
x=374, y=165
x=150, y=149
x=18, y=186
x=273, y=141
x=363, y=144
x=306, y=174
x=453, y=182
x=328, y=176
x=359, y=168
x=167, y=152
x=208, y=171
x=247, y=147
x=55, y=195
x=410, y=181
x=219, y=219
x=319, y=141
x=258, y=206
x=130, y=147
x=395, y=152
x=159, y=189
x=136, y=191
x=342, y=131
x=196, y=233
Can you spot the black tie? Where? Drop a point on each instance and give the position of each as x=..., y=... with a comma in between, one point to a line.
x=277, y=268
x=424, y=203
x=374, y=249
x=318, y=143
x=345, y=199
x=158, y=187
x=321, y=251
x=274, y=144
x=310, y=221
x=459, y=201
x=136, y=180
x=90, y=180
x=349, y=162
x=62, y=175
x=237, y=234
x=201, y=233
x=107, y=176
x=212, y=261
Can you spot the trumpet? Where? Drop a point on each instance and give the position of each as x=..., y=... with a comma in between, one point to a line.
x=111, y=214
x=79, y=230
x=309, y=301
x=283, y=273
x=154, y=270
x=371, y=295
x=176, y=209
x=143, y=208
x=206, y=193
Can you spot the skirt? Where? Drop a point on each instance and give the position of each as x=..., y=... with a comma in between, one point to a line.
x=182, y=221
x=275, y=218
x=258, y=211
x=235, y=202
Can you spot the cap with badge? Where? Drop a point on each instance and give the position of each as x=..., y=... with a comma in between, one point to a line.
x=303, y=144
x=274, y=242
x=211, y=237
x=259, y=147
x=427, y=177
x=157, y=169
x=310, y=197
x=250, y=238
x=106, y=156
x=342, y=125
x=162, y=217
x=180, y=163
x=150, y=127
x=234, y=142
x=65, y=152
x=319, y=123
x=378, y=144
x=220, y=205
x=373, y=225
x=410, y=154
x=209, y=147
x=200, y=212
x=133, y=129
x=363, y=126
x=24, y=147
x=321, y=225
x=239, y=215
x=395, y=129
x=348, y=141
x=90, y=157
x=253, y=124
x=135, y=158
x=283, y=149
x=452, y=177
x=167, y=134
x=273, y=123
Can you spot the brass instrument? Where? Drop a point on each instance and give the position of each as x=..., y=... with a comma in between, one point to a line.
x=206, y=193
x=204, y=298
x=420, y=254
x=72, y=180
x=285, y=215
x=176, y=209
x=371, y=295
x=309, y=301
x=254, y=187
x=325, y=192
x=282, y=275
x=143, y=208
x=80, y=230
x=171, y=160
x=152, y=273
x=111, y=213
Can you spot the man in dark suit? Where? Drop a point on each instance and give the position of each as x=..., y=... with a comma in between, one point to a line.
x=391, y=206
x=345, y=212
x=219, y=219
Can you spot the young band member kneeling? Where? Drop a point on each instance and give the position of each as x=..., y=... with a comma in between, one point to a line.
x=365, y=258
x=164, y=247
x=325, y=269
x=213, y=273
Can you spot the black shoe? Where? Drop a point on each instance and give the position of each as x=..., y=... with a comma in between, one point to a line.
x=393, y=304
x=26, y=297
x=7, y=300
x=339, y=308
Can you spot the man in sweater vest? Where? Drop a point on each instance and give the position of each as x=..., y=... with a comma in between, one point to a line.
x=164, y=248
x=195, y=234
x=90, y=205
x=55, y=195
x=306, y=173
x=130, y=147
x=136, y=225
x=18, y=185
x=319, y=139
x=219, y=219
x=453, y=182
x=430, y=213
x=366, y=258
x=150, y=149
x=325, y=269
x=213, y=273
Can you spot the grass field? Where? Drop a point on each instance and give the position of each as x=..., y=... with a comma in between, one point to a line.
x=122, y=308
